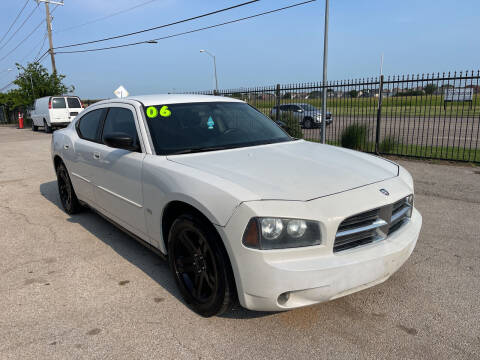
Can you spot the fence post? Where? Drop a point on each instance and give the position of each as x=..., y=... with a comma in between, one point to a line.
x=277, y=103
x=379, y=115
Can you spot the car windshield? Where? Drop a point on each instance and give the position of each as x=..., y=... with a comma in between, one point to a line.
x=308, y=107
x=197, y=127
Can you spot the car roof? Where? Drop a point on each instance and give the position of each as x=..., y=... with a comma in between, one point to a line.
x=160, y=99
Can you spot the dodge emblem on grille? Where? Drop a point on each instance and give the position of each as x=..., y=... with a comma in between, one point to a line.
x=384, y=192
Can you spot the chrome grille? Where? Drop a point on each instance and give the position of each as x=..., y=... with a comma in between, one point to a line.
x=372, y=225
x=401, y=212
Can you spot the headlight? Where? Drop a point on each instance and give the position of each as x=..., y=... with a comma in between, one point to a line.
x=281, y=233
x=271, y=228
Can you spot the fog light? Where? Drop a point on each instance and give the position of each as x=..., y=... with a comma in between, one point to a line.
x=283, y=298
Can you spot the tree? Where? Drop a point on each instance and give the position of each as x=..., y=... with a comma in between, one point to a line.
x=33, y=82
x=353, y=93
x=315, y=94
x=430, y=89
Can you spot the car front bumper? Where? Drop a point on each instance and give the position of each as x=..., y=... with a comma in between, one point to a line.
x=316, y=274
x=318, y=122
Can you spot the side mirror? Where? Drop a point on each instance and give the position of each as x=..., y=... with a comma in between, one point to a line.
x=120, y=141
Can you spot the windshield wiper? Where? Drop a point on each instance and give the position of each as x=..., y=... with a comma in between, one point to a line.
x=200, y=149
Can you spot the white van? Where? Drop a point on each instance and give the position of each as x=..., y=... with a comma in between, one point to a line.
x=55, y=111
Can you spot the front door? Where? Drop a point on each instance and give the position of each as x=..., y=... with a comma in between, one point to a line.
x=118, y=189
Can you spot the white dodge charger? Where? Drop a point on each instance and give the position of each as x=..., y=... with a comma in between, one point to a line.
x=240, y=208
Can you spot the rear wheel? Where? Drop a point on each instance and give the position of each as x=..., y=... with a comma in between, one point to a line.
x=48, y=129
x=200, y=266
x=68, y=197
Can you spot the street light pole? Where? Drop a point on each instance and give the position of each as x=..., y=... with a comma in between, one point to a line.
x=214, y=67
x=325, y=56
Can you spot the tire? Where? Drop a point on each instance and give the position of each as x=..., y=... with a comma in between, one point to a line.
x=34, y=127
x=200, y=266
x=48, y=129
x=307, y=123
x=69, y=200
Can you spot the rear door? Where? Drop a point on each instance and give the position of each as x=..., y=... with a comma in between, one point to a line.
x=84, y=162
x=74, y=107
x=119, y=183
x=59, y=111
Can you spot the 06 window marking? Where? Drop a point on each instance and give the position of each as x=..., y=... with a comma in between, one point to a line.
x=152, y=112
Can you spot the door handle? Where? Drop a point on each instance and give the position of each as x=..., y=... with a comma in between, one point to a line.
x=96, y=155
x=66, y=147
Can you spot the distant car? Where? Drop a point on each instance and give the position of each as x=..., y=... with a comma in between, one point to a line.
x=54, y=112
x=239, y=207
x=308, y=115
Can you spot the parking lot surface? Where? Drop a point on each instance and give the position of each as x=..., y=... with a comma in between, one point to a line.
x=76, y=287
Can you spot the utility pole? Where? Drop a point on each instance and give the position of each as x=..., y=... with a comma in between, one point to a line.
x=49, y=29
x=325, y=58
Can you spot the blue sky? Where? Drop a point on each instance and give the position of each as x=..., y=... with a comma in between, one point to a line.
x=415, y=37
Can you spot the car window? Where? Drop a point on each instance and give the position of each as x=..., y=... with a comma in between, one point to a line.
x=120, y=120
x=73, y=102
x=89, y=125
x=191, y=127
x=59, y=103
x=284, y=107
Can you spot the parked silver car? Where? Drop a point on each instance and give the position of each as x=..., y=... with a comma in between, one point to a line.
x=308, y=115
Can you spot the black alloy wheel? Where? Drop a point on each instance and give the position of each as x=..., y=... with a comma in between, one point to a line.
x=65, y=189
x=200, y=266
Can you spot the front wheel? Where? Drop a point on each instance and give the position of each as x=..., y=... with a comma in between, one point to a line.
x=200, y=266
x=34, y=127
x=307, y=123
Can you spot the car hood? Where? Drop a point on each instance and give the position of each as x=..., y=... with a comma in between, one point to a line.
x=296, y=170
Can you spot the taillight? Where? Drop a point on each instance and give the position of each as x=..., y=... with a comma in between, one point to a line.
x=50, y=104
x=81, y=105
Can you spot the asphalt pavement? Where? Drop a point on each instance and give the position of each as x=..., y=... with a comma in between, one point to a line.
x=75, y=287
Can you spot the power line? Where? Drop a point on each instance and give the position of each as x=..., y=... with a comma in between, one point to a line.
x=43, y=44
x=11, y=37
x=21, y=42
x=158, y=27
x=27, y=37
x=14, y=21
x=190, y=31
x=6, y=86
x=105, y=17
